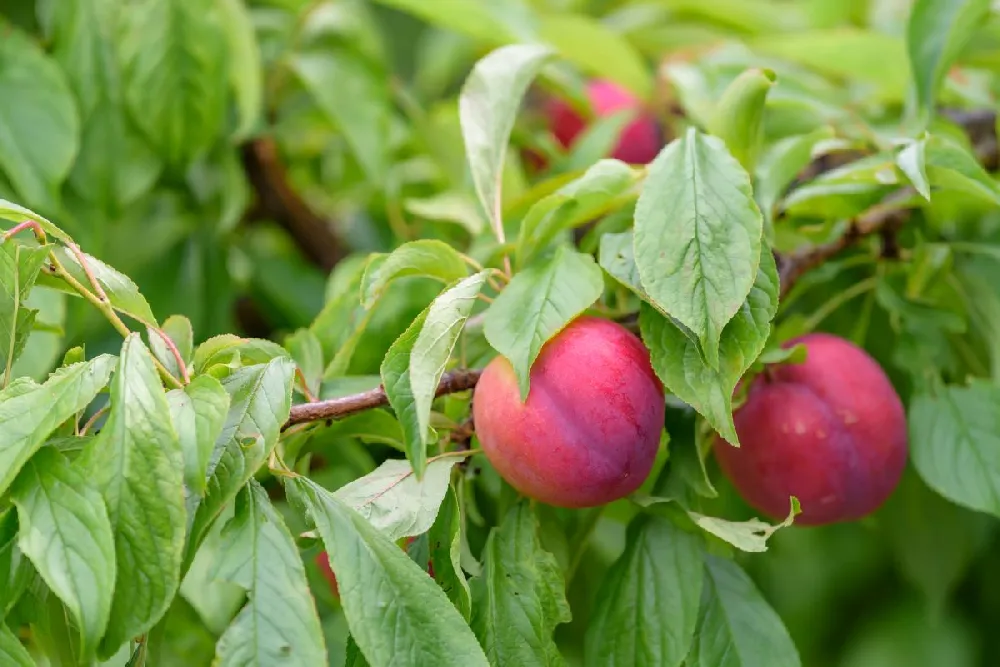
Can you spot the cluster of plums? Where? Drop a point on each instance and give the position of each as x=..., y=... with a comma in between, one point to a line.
x=830, y=431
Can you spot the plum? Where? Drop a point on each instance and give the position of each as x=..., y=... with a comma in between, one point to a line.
x=590, y=428
x=830, y=431
x=639, y=142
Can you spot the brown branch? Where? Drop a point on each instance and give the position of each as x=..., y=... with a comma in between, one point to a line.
x=278, y=201
x=335, y=408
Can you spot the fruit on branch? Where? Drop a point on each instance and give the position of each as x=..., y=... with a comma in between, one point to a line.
x=590, y=428
x=830, y=431
x=640, y=140
x=323, y=563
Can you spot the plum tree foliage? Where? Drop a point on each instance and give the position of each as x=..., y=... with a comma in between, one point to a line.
x=391, y=332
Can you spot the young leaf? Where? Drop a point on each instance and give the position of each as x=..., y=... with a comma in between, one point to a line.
x=396, y=613
x=446, y=544
x=911, y=161
x=246, y=74
x=30, y=412
x=355, y=98
x=260, y=398
x=38, y=114
x=598, y=50
x=573, y=204
x=198, y=412
x=12, y=652
x=519, y=598
x=935, y=35
x=279, y=624
x=675, y=355
x=698, y=236
x=736, y=626
x=178, y=328
x=951, y=165
x=955, y=443
x=19, y=266
x=122, y=292
x=137, y=464
x=66, y=533
x=414, y=364
x=648, y=604
x=227, y=347
x=395, y=501
x=749, y=535
x=17, y=213
x=307, y=351
x=488, y=106
x=174, y=74
x=427, y=257
x=537, y=304
x=739, y=115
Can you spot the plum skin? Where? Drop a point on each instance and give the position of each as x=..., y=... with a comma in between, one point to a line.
x=830, y=431
x=640, y=140
x=590, y=428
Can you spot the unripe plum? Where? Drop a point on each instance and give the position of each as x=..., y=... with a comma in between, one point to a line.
x=638, y=143
x=830, y=431
x=590, y=428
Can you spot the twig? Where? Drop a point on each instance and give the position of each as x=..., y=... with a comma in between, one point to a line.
x=277, y=200
x=334, y=408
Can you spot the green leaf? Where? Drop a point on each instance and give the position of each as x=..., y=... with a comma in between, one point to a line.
x=260, y=398
x=19, y=266
x=12, y=652
x=279, y=624
x=937, y=32
x=227, y=348
x=174, y=74
x=395, y=501
x=355, y=98
x=911, y=161
x=457, y=207
x=377, y=426
x=537, y=304
x=16, y=571
x=445, y=537
x=519, y=598
x=414, y=364
x=137, y=464
x=647, y=606
x=575, y=203
x=675, y=356
x=66, y=533
x=736, y=626
x=246, y=73
x=599, y=51
x=178, y=328
x=122, y=292
x=698, y=236
x=29, y=413
x=427, y=257
x=488, y=106
x=307, y=351
x=951, y=165
x=396, y=613
x=115, y=165
x=955, y=443
x=16, y=213
x=778, y=167
x=739, y=115
x=198, y=412
x=749, y=535
x=479, y=19
x=39, y=125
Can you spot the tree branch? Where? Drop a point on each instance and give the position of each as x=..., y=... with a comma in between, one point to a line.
x=336, y=408
x=277, y=200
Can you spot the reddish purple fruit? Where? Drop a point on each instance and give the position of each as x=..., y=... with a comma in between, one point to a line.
x=590, y=428
x=638, y=143
x=830, y=431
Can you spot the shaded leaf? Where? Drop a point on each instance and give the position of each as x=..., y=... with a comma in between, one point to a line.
x=279, y=624
x=16, y=571
x=779, y=166
x=739, y=115
x=396, y=613
x=951, y=165
x=246, y=73
x=537, y=304
x=19, y=266
x=66, y=533
x=427, y=257
x=12, y=652
x=647, y=606
x=697, y=236
x=137, y=464
x=445, y=546
x=394, y=501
